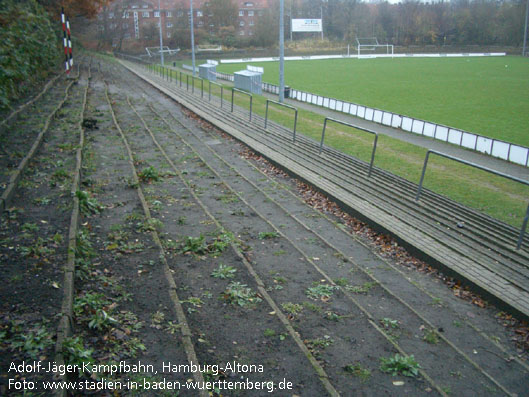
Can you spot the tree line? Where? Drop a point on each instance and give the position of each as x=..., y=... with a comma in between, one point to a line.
x=411, y=22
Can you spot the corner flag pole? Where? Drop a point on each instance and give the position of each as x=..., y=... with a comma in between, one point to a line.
x=65, y=42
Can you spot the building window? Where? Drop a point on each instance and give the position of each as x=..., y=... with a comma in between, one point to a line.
x=110, y=15
x=241, y=23
x=135, y=6
x=199, y=13
x=250, y=13
x=200, y=23
x=169, y=14
x=241, y=33
x=145, y=6
x=126, y=36
x=168, y=34
x=157, y=14
x=251, y=22
x=241, y=13
x=145, y=14
x=260, y=13
x=169, y=24
x=180, y=13
x=248, y=4
x=125, y=26
x=250, y=33
x=126, y=14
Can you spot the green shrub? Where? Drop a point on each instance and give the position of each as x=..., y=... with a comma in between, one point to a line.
x=28, y=47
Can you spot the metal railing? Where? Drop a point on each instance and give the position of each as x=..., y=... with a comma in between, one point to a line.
x=221, y=92
x=245, y=93
x=512, y=178
x=284, y=105
x=356, y=127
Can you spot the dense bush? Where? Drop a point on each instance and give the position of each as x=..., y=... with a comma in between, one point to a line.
x=29, y=47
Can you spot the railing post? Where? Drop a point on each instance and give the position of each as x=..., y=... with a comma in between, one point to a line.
x=187, y=82
x=522, y=230
x=373, y=156
x=251, y=101
x=180, y=79
x=323, y=134
x=422, y=176
x=295, y=124
x=201, y=88
x=221, y=95
x=266, y=113
x=209, y=91
x=192, y=84
x=232, y=92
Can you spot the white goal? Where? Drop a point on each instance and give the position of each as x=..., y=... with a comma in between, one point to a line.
x=155, y=51
x=369, y=47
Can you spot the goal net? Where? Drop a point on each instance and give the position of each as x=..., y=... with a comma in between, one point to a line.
x=369, y=47
x=155, y=51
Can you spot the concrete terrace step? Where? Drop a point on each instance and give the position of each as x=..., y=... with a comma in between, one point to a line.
x=482, y=253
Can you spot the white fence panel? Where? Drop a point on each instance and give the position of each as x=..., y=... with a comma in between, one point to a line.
x=386, y=118
x=417, y=126
x=339, y=106
x=518, y=155
x=325, y=102
x=320, y=101
x=407, y=123
x=484, y=145
x=500, y=149
x=397, y=121
x=332, y=104
x=469, y=140
x=454, y=136
x=346, y=107
x=353, y=110
x=361, y=112
x=369, y=114
x=441, y=133
x=429, y=130
x=377, y=117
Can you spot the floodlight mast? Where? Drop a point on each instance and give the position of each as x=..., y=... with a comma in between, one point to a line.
x=524, y=51
x=281, y=52
x=192, y=37
x=161, y=36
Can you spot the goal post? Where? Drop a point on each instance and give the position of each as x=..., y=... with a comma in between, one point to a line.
x=369, y=47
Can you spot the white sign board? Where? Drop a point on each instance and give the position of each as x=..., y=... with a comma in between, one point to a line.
x=212, y=62
x=306, y=25
x=256, y=69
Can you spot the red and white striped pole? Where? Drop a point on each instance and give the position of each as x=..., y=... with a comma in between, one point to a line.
x=67, y=42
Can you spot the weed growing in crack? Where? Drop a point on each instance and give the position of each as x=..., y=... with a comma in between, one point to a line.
x=403, y=365
x=388, y=323
x=361, y=289
x=149, y=174
x=31, y=342
x=268, y=235
x=224, y=272
x=292, y=308
x=150, y=225
x=320, y=291
x=240, y=294
x=320, y=343
x=431, y=337
x=269, y=333
x=359, y=371
x=87, y=204
x=93, y=308
x=75, y=353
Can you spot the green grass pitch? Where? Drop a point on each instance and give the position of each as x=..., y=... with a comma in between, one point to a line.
x=486, y=95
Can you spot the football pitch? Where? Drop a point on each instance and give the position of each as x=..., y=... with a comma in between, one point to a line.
x=487, y=96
